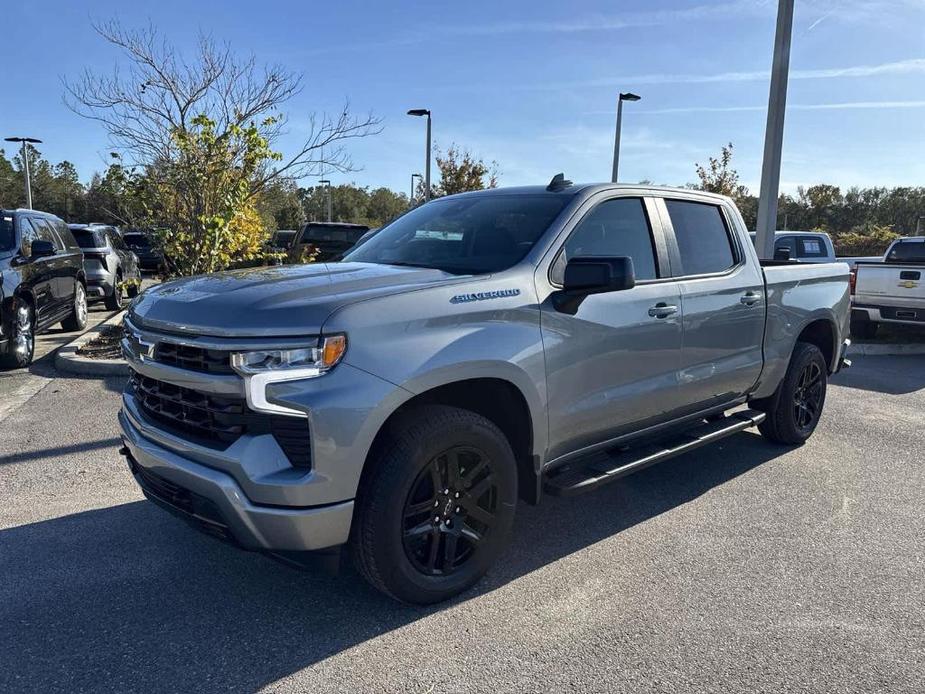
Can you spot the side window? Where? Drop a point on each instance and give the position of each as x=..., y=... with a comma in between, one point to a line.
x=65, y=234
x=28, y=236
x=614, y=228
x=45, y=232
x=115, y=240
x=703, y=239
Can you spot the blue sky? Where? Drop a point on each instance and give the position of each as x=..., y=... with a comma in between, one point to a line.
x=532, y=84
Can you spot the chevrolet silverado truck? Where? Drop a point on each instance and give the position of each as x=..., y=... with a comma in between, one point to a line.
x=482, y=349
x=890, y=290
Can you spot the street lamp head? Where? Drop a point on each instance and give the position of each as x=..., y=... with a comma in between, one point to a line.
x=419, y=112
x=629, y=96
x=324, y=182
x=30, y=140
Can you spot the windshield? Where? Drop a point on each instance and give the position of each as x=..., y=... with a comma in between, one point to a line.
x=6, y=232
x=468, y=235
x=136, y=241
x=908, y=252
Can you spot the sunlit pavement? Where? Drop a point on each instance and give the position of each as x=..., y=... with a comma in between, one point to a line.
x=739, y=567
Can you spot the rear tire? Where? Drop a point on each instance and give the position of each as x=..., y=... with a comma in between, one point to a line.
x=116, y=300
x=78, y=318
x=864, y=329
x=794, y=410
x=21, y=346
x=436, y=506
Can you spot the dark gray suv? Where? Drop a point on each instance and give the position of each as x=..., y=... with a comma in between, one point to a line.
x=111, y=267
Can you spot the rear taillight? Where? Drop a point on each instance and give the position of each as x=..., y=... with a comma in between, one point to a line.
x=852, y=281
x=94, y=256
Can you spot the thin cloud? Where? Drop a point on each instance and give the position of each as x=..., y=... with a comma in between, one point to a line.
x=900, y=67
x=850, y=105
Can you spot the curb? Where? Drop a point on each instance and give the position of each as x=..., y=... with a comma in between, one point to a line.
x=882, y=350
x=67, y=359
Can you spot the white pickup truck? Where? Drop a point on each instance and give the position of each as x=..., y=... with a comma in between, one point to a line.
x=889, y=291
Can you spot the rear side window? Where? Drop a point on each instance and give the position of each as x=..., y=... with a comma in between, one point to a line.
x=703, y=239
x=28, y=236
x=615, y=228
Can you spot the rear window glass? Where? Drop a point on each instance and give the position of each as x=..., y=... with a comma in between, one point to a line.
x=316, y=234
x=908, y=251
x=136, y=241
x=88, y=239
x=6, y=233
x=808, y=247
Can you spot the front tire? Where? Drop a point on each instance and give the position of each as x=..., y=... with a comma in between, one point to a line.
x=78, y=318
x=794, y=410
x=436, y=508
x=21, y=345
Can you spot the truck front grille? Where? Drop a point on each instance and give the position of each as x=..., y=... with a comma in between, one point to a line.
x=217, y=421
x=194, y=358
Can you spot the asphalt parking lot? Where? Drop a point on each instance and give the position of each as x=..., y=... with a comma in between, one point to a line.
x=741, y=567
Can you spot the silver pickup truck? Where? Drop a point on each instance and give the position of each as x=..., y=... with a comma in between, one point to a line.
x=482, y=349
x=890, y=290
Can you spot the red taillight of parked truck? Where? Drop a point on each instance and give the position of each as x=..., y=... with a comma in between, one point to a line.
x=853, y=280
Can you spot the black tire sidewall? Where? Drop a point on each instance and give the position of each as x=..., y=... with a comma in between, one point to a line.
x=393, y=481
x=804, y=354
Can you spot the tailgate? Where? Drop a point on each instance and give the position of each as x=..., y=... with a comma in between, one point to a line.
x=897, y=284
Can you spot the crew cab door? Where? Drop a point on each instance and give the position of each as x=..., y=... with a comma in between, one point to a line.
x=612, y=366
x=38, y=277
x=722, y=300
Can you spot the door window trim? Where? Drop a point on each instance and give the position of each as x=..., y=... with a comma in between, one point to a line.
x=659, y=247
x=735, y=245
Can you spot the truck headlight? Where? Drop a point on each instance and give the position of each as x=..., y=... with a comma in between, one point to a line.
x=262, y=367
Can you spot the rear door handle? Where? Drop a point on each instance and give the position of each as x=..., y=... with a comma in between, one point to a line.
x=662, y=310
x=750, y=298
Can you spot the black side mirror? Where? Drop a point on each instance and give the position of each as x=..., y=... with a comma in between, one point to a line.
x=42, y=249
x=782, y=253
x=593, y=275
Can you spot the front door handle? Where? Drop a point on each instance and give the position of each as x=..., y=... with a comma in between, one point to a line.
x=750, y=298
x=662, y=310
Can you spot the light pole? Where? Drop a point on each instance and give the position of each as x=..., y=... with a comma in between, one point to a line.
x=327, y=186
x=25, y=160
x=425, y=112
x=411, y=199
x=774, y=133
x=627, y=96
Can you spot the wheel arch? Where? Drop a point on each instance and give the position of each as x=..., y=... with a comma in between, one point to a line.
x=822, y=333
x=499, y=400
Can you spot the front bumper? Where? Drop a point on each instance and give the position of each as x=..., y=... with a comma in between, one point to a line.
x=214, y=501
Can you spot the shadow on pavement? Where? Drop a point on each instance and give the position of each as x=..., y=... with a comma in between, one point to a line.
x=130, y=598
x=62, y=450
x=892, y=375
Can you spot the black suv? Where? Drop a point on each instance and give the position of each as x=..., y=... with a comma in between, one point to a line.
x=42, y=282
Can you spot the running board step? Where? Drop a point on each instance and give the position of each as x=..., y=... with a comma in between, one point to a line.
x=591, y=472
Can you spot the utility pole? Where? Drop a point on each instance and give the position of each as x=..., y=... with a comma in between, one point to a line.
x=774, y=132
x=425, y=112
x=25, y=163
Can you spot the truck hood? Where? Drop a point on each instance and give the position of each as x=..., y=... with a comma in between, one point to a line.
x=290, y=300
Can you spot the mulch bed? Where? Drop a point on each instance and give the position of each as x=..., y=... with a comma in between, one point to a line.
x=105, y=345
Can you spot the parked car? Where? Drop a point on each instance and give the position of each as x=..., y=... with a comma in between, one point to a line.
x=150, y=257
x=804, y=246
x=42, y=282
x=891, y=290
x=326, y=239
x=482, y=348
x=111, y=267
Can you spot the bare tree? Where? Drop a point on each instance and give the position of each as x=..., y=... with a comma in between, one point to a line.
x=161, y=92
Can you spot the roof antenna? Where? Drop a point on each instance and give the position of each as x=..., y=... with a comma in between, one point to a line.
x=558, y=182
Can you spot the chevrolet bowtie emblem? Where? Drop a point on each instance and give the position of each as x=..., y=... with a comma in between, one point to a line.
x=140, y=348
